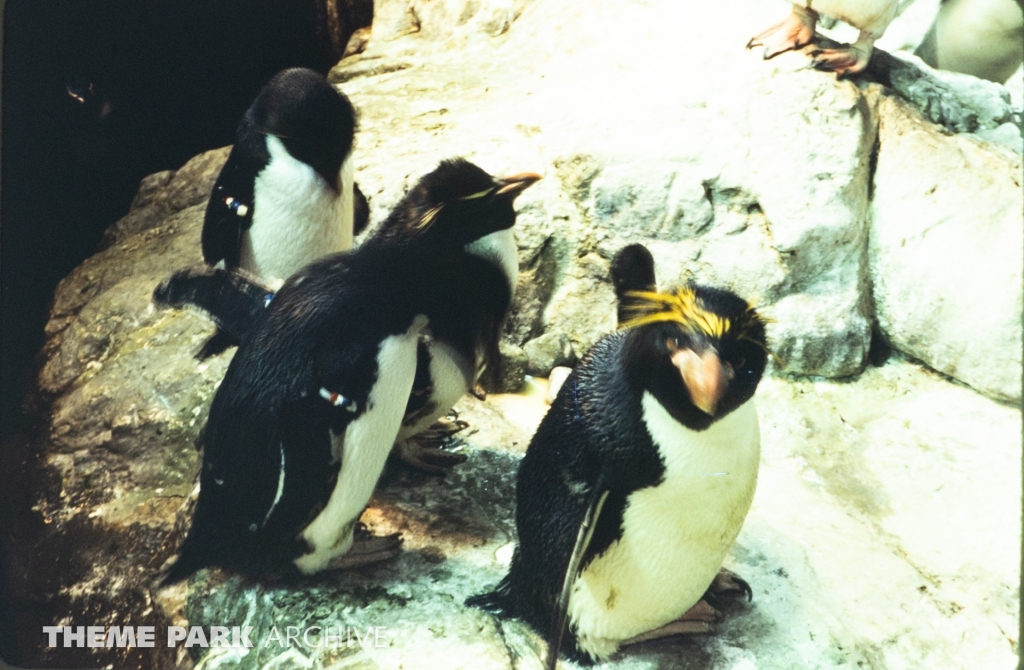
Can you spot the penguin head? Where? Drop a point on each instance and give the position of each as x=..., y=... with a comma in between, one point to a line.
x=699, y=351
x=458, y=203
x=632, y=270
x=312, y=119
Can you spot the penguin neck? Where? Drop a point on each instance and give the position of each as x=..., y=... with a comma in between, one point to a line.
x=500, y=249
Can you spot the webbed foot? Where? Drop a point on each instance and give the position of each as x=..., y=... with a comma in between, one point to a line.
x=795, y=32
x=425, y=451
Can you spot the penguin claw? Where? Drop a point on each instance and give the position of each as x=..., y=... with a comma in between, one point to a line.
x=795, y=32
x=366, y=550
x=844, y=61
x=727, y=583
x=424, y=452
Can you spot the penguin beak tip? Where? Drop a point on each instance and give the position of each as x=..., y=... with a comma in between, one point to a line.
x=517, y=183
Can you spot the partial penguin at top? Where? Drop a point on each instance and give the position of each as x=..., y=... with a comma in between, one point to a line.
x=286, y=195
x=870, y=17
x=639, y=477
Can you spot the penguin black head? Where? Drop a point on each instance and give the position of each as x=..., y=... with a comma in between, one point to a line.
x=700, y=351
x=313, y=120
x=457, y=203
x=632, y=270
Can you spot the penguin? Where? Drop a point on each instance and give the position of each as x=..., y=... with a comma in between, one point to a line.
x=286, y=195
x=446, y=369
x=983, y=38
x=318, y=391
x=871, y=17
x=639, y=477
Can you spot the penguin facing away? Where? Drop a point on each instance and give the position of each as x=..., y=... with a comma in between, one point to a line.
x=871, y=17
x=286, y=195
x=315, y=396
x=638, y=479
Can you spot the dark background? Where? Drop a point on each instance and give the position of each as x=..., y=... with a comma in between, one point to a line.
x=158, y=81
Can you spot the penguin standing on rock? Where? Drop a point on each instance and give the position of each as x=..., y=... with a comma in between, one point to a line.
x=639, y=477
x=871, y=17
x=286, y=195
x=315, y=397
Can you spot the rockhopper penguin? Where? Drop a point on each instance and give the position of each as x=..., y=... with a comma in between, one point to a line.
x=638, y=479
x=446, y=369
x=286, y=195
x=318, y=391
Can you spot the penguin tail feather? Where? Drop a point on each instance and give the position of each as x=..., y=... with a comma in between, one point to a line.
x=499, y=601
x=182, y=566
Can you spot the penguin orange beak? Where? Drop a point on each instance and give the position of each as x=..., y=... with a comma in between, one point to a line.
x=704, y=376
x=516, y=184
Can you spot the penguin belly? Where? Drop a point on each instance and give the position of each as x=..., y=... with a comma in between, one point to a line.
x=871, y=16
x=451, y=375
x=674, y=535
x=364, y=447
x=290, y=207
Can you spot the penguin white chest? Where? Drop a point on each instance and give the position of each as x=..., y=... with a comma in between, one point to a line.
x=297, y=217
x=674, y=534
x=499, y=248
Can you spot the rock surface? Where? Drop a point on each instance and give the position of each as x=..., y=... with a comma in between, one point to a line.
x=885, y=532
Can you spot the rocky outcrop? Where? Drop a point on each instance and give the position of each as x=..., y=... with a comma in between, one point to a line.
x=946, y=258
x=833, y=206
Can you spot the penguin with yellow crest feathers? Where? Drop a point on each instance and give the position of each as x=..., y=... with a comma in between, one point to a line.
x=639, y=478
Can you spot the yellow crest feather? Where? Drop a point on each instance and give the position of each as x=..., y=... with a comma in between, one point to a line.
x=680, y=306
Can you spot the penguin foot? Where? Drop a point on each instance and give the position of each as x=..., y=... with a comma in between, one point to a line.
x=367, y=549
x=479, y=392
x=727, y=584
x=844, y=60
x=424, y=451
x=697, y=620
x=795, y=32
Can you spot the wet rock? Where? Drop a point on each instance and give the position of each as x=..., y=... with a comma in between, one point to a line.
x=164, y=193
x=550, y=350
x=513, y=369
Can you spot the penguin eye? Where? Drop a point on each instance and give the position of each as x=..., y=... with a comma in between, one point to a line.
x=672, y=344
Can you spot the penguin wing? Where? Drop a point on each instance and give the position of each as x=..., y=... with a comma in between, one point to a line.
x=595, y=503
x=230, y=208
x=230, y=298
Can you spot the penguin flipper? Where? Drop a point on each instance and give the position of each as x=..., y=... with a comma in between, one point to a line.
x=230, y=208
x=231, y=299
x=360, y=210
x=598, y=496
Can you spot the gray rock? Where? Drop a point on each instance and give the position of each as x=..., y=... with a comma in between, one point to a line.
x=513, y=369
x=946, y=260
x=550, y=350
